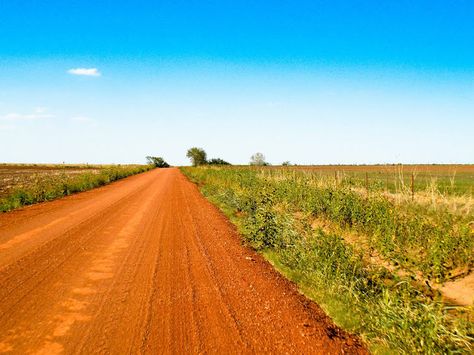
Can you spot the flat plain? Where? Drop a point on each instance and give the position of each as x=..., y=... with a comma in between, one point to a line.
x=446, y=178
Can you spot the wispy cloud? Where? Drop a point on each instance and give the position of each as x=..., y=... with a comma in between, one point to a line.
x=85, y=71
x=37, y=114
x=14, y=116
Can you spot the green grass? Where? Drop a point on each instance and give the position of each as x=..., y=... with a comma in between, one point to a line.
x=274, y=209
x=51, y=187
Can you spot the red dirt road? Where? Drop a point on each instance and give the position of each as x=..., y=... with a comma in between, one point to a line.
x=146, y=265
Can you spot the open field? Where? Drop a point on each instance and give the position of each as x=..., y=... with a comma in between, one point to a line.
x=445, y=179
x=15, y=176
x=25, y=184
x=147, y=265
x=395, y=269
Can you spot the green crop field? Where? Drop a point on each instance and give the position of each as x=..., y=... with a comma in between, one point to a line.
x=376, y=246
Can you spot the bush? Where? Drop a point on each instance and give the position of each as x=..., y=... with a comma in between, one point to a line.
x=218, y=161
x=158, y=162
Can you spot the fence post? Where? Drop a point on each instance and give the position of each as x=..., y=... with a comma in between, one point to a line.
x=412, y=186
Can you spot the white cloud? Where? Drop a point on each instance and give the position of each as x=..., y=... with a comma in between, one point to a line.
x=84, y=71
x=37, y=114
x=25, y=117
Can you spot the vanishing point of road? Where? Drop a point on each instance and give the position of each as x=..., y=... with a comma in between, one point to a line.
x=147, y=265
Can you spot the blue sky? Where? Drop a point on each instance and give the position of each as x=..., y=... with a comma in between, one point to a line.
x=305, y=81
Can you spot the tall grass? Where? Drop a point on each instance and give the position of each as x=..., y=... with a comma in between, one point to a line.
x=274, y=212
x=451, y=179
x=55, y=186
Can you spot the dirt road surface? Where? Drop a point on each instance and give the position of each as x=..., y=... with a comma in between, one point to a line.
x=146, y=265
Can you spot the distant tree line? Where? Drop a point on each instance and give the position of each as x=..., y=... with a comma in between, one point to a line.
x=198, y=157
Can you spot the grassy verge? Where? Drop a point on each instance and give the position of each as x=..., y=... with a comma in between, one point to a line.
x=390, y=312
x=60, y=185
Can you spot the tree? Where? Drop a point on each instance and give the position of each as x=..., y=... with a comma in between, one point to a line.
x=158, y=162
x=218, y=161
x=286, y=163
x=198, y=156
x=258, y=159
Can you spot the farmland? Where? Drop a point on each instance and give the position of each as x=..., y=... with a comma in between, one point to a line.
x=444, y=179
x=382, y=248
x=24, y=184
